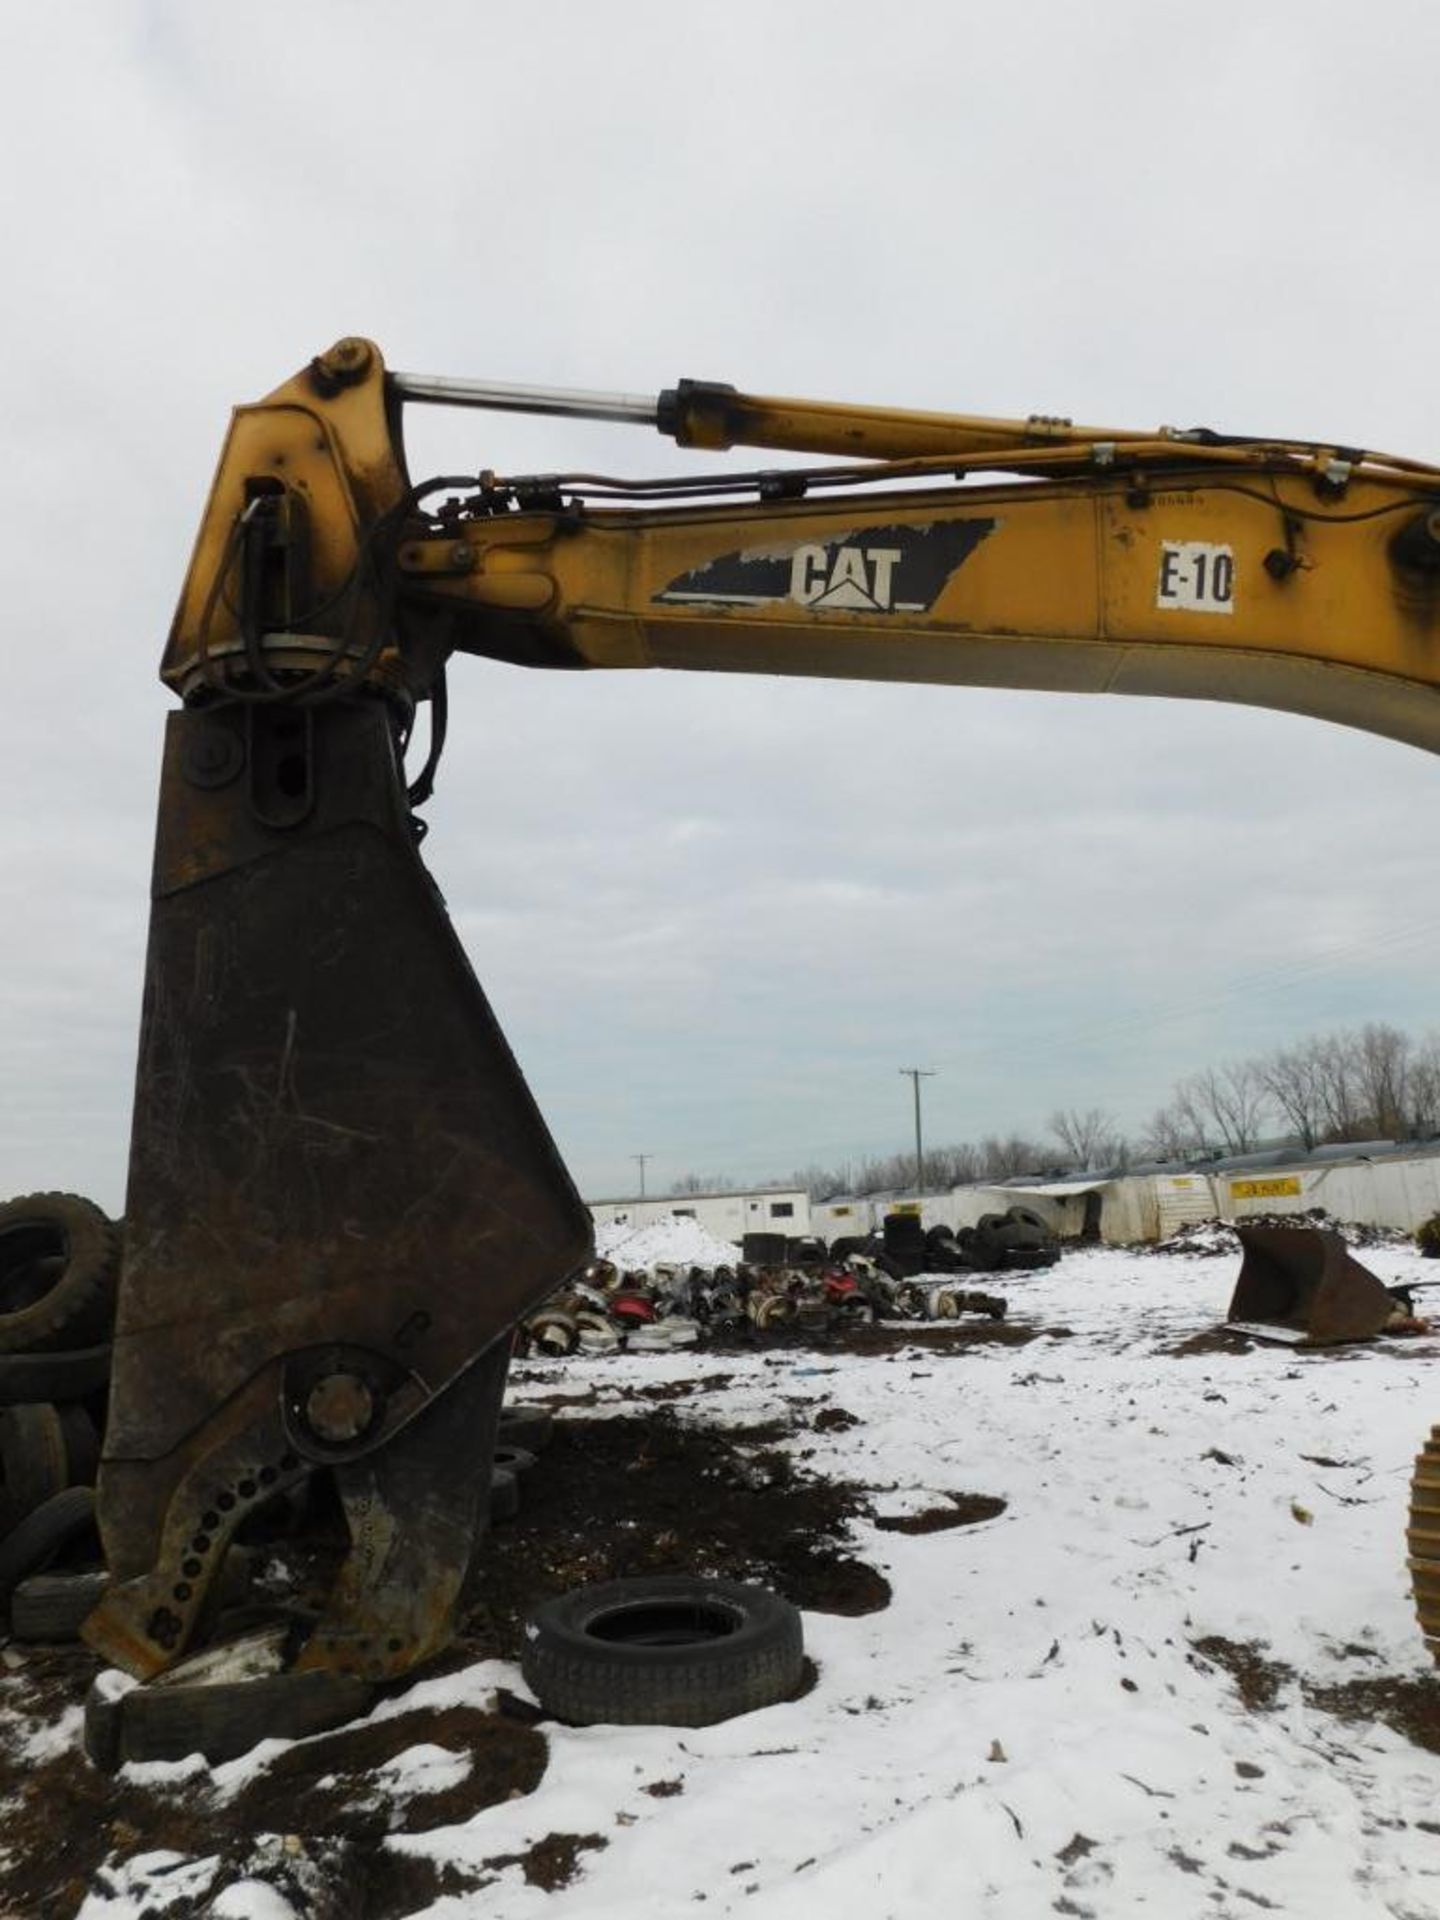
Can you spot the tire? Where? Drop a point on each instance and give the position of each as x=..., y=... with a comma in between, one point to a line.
x=504, y=1495
x=763, y=1249
x=553, y=1333
x=1030, y=1259
x=646, y=1340
x=985, y=1254
x=34, y=1465
x=59, y=1256
x=72, y=1375
x=772, y=1310
x=516, y=1460
x=1028, y=1217
x=904, y=1235
x=31, y=1546
x=669, y=1650
x=168, y=1719
x=82, y=1446
x=1021, y=1239
x=47, y=1609
x=529, y=1427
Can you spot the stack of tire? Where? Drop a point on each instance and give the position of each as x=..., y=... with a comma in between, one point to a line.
x=903, y=1250
x=998, y=1242
x=59, y=1266
x=1017, y=1238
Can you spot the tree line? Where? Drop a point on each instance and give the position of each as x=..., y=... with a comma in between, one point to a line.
x=1364, y=1083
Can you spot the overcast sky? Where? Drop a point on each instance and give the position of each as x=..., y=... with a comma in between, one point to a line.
x=715, y=914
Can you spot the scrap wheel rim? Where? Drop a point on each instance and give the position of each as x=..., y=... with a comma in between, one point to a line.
x=1423, y=1538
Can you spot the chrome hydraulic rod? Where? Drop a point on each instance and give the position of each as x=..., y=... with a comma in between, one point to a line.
x=568, y=402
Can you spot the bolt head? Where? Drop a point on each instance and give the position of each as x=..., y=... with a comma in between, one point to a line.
x=347, y=361
x=340, y=1408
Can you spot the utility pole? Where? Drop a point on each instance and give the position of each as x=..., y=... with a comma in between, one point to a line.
x=915, y=1076
x=640, y=1159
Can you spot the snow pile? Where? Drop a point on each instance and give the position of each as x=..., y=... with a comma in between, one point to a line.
x=679, y=1241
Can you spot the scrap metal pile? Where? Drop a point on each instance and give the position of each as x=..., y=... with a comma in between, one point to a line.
x=794, y=1285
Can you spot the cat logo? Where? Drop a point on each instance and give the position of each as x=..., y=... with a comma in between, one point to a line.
x=901, y=568
x=856, y=578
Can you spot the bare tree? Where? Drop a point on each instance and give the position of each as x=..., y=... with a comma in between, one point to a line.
x=1292, y=1077
x=1003, y=1159
x=1171, y=1133
x=703, y=1183
x=1381, y=1067
x=820, y=1182
x=1229, y=1103
x=1423, y=1118
x=1090, y=1139
x=1337, y=1077
x=958, y=1164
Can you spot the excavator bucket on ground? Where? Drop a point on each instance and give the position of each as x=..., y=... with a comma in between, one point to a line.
x=1306, y=1280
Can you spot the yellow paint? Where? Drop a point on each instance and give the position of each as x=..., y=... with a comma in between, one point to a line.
x=1096, y=572
x=1275, y=1189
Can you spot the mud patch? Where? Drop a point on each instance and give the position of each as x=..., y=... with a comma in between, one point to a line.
x=68, y=1828
x=669, y=1389
x=834, y=1420
x=551, y=1863
x=1221, y=1339
x=641, y=1494
x=1258, y=1679
x=325, y=1786
x=1408, y=1704
x=962, y=1510
x=628, y=1493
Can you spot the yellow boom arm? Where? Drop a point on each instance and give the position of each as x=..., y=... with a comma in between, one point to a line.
x=1303, y=577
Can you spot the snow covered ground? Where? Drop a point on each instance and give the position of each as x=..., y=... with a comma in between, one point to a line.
x=1028, y=1728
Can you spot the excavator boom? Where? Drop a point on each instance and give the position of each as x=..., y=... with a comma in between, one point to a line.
x=341, y=1194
